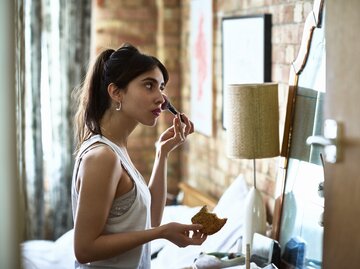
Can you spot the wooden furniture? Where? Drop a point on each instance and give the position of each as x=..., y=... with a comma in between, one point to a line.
x=193, y=197
x=342, y=185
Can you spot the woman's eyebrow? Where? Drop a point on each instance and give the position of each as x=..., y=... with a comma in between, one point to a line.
x=150, y=78
x=153, y=80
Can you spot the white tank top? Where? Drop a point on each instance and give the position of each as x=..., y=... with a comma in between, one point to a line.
x=135, y=219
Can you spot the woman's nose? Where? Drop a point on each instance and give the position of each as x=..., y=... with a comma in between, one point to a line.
x=162, y=98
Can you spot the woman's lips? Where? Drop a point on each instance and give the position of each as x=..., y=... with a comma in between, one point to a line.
x=156, y=112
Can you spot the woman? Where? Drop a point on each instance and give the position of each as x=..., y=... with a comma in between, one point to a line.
x=115, y=212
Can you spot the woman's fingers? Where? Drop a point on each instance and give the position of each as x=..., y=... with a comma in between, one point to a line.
x=198, y=238
x=185, y=234
x=179, y=127
x=176, y=134
x=196, y=232
x=195, y=227
x=189, y=126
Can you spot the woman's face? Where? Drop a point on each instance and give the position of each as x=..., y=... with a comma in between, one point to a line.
x=143, y=97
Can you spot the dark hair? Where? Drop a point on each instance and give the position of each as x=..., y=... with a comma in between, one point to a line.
x=120, y=67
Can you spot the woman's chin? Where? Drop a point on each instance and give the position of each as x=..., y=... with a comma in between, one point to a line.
x=150, y=123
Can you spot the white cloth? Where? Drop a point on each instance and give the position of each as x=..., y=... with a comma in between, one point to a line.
x=135, y=219
x=206, y=261
x=230, y=206
x=41, y=254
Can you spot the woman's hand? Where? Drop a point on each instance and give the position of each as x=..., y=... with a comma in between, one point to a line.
x=176, y=134
x=183, y=235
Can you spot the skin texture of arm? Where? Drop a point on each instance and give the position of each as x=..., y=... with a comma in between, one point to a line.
x=169, y=140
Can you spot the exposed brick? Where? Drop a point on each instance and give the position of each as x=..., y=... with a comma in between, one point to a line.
x=171, y=27
x=291, y=34
x=299, y=12
x=290, y=54
x=172, y=14
x=279, y=53
x=228, y=5
x=308, y=6
x=288, y=11
x=171, y=3
x=172, y=40
x=257, y=3
x=166, y=32
x=282, y=14
x=137, y=3
x=100, y=3
x=149, y=28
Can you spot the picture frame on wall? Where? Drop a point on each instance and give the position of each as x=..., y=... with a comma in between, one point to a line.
x=201, y=90
x=246, y=51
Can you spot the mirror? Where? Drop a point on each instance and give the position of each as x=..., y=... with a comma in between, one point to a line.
x=301, y=226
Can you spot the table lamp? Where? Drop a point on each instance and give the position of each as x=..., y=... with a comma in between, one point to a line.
x=252, y=133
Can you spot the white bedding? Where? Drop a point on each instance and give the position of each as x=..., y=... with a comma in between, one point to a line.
x=42, y=254
x=229, y=206
x=45, y=254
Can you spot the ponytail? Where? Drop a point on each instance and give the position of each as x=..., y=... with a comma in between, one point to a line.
x=92, y=99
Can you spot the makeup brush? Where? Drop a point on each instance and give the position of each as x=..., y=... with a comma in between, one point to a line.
x=168, y=106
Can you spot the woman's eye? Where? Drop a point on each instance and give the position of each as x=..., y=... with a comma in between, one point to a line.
x=148, y=85
x=162, y=87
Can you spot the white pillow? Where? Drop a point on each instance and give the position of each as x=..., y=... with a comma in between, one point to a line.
x=46, y=254
x=232, y=197
x=231, y=206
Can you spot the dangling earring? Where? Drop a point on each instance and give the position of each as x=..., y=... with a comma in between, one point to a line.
x=119, y=107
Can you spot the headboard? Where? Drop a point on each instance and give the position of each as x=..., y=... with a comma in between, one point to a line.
x=193, y=197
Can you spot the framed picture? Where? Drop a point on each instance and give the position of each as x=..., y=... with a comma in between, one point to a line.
x=246, y=51
x=201, y=40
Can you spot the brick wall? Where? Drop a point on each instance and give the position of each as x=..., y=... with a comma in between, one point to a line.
x=154, y=27
x=209, y=168
x=161, y=27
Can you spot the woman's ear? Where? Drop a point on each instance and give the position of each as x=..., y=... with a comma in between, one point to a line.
x=114, y=92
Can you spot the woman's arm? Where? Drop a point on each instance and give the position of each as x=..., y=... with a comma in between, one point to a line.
x=110, y=245
x=168, y=141
x=99, y=175
x=158, y=187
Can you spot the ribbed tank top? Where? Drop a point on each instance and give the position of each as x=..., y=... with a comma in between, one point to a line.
x=135, y=219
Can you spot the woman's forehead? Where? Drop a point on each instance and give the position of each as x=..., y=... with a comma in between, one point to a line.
x=154, y=74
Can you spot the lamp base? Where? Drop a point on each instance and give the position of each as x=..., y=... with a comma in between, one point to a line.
x=255, y=217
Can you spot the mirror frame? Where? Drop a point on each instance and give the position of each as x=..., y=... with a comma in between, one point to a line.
x=313, y=20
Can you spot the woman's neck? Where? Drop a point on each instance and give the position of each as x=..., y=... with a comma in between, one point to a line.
x=116, y=129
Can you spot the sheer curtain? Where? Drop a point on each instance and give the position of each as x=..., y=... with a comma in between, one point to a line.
x=53, y=49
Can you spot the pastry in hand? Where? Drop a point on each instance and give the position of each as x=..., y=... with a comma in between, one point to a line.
x=210, y=222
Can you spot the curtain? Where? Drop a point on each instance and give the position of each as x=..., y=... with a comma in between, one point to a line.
x=20, y=113
x=57, y=49
x=30, y=111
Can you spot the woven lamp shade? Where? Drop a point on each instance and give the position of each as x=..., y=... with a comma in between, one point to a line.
x=253, y=120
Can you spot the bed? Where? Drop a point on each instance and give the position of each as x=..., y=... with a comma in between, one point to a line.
x=43, y=254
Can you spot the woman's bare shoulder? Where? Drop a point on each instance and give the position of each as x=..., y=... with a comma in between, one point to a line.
x=102, y=158
x=99, y=150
